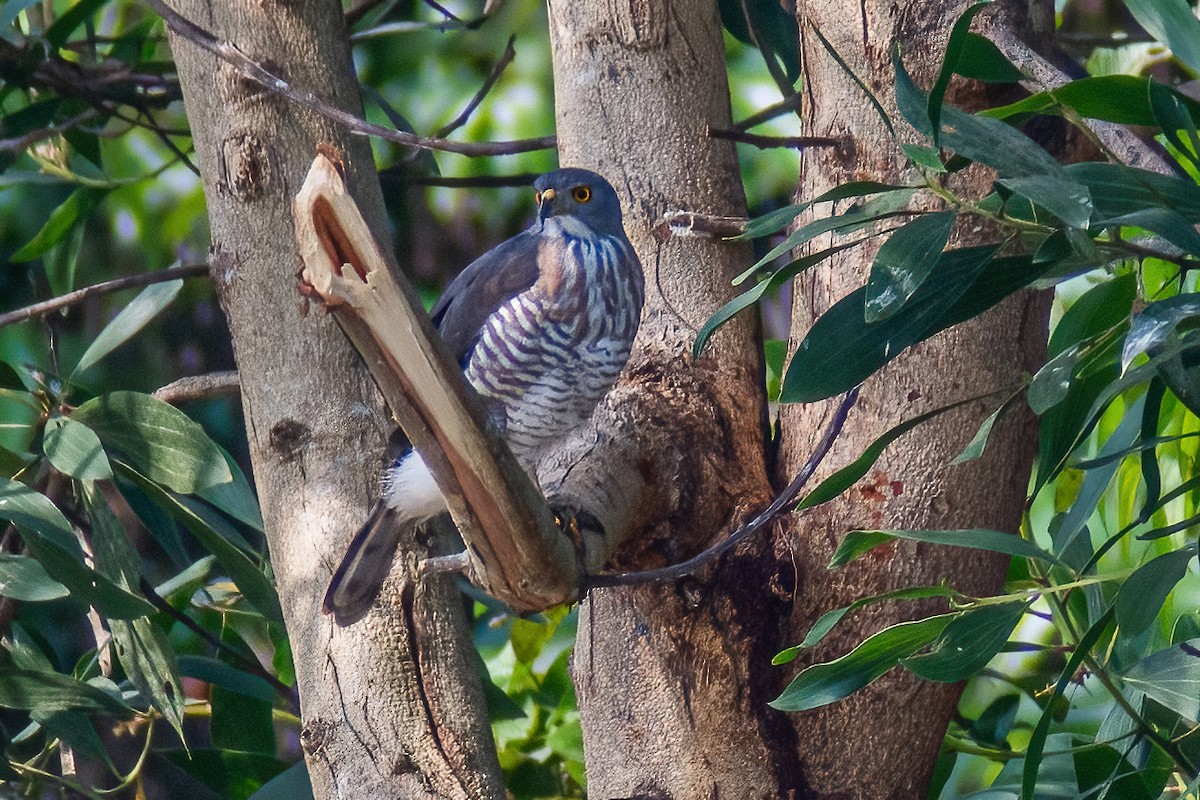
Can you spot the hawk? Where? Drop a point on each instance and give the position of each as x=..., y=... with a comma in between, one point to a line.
x=541, y=325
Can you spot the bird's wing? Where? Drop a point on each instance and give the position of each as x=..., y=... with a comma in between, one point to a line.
x=486, y=284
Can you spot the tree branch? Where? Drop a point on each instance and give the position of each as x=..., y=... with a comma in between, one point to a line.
x=199, y=387
x=252, y=70
x=781, y=505
x=518, y=554
x=96, y=290
x=764, y=142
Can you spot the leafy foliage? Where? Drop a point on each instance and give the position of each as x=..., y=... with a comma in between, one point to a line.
x=1103, y=582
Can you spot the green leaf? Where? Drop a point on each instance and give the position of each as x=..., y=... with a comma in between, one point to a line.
x=291, y=784
x=1171, y=677
x=822, y=684
x=927, y=158
x=856, y=543
x=1165, y=222
x=1154, y=325
x=1037, y=742
x=143, y=308
x=75, y=450
x=231, y=774
x=978, y=443
x=23, y=578
x=887, y=204
x=1174, y=24
x=241, y=723
x=49, y=538
x=827, y=621
x=160, y=441
x=58, y=33
x=1172, y=114
x=1123, y=99
x=1142, y=595
x=903, y=263
x=967, y=644
x=62, y=220
x=50, y=691
x=149, y=661
x=842, y=349
x=981, y=60
x=142, y=647
x=235, y=498
x=748, y=298
x=218, y=673
x=76, y=729
x=775, y=220
x=1052, y=382
x=1117, y=190
x=845, y=477
x=248, y=577
x=954, y=49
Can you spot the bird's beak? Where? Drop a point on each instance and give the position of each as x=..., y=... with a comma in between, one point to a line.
x=545, y=204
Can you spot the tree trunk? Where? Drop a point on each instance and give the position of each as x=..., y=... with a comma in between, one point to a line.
x=667, y=675
x=392, y=707
x=883, y=742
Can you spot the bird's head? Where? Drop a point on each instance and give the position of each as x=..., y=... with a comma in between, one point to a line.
x=582, y=194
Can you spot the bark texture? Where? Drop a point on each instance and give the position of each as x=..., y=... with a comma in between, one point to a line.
x=669, y=704
x=392, y=707
x=882, y=742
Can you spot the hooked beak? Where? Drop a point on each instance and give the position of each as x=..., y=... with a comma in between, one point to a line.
x=545, y=204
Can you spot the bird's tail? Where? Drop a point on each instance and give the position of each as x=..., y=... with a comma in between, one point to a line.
x=368, y=559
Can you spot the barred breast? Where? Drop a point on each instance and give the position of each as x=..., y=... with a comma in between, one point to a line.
x=549, y=354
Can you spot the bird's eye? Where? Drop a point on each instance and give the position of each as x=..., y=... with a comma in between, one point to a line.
x=581, y=194
x=537, y=197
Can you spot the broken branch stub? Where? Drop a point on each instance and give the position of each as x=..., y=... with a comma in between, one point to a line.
x=517, y=553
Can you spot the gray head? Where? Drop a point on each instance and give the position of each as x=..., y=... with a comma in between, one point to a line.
x=582, y=194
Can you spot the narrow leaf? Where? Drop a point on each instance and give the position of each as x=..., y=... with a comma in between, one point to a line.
x=822, y=684
x=143, y=308
x=1174, y=24
x=856, y=543
x=23, y=578
x=1037, y=742
x=903, y=263
x=248, y=577
x=62, y=220
x=1172, y=677
x=827, y=621
x=50, y=691
x=1142, y=595
x=967, y=644
x=954, y=49
x=161, y=441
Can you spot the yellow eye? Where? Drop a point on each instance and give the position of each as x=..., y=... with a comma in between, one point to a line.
x=581, y=194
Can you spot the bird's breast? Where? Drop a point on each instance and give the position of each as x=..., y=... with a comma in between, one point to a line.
x=549, y=354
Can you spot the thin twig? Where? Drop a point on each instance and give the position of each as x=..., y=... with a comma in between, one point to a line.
x=781, y=504
x=397, y=175
x=764, y=142
x=18, y=144
x=199, y=387
x=505, y=59
x=790, y=103
x=251, y=70
x=244, y=663
x=108, y=287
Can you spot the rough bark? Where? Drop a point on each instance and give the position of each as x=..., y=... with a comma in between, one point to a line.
x=882, y=742
x=392, y=707
x=669, y=701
